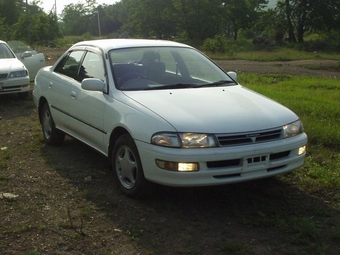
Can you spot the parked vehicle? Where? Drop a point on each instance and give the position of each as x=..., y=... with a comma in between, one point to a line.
x=163, y=112
x=31, y=58
x=14, y=77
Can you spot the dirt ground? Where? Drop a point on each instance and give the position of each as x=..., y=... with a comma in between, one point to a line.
x=62, y=201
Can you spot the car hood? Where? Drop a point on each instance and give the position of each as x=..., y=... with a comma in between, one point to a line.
x=10, y=64
x=214, y=110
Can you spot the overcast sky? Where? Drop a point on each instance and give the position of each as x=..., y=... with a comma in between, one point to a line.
x=47, y=5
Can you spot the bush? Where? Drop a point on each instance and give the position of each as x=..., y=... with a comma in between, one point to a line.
x=218, y=44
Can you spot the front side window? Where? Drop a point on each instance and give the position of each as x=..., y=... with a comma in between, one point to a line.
x=92, y=67
x=70, y=64
x=164, y=67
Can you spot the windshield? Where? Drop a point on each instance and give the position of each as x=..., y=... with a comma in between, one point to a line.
x=155, y=68
x=18, y=46
x=5, y=52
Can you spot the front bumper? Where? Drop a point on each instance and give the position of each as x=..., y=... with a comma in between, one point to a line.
x=15, y=85
x=223, y=165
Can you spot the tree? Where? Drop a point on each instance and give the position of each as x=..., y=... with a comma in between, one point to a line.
x=77, y=18
x=11, y=10
x=310, y=15
x=199, y=19
x=270, y=24
x=241, y=14
x=326, y=17
x=150, y=18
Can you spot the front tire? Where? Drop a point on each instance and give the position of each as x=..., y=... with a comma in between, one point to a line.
x=52, y=135
x=127, y=167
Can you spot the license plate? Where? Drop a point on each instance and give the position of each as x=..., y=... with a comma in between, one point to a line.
x=255, y=160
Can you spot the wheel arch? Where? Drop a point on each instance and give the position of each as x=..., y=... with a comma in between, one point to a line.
x=115, y=134
x=42, y=102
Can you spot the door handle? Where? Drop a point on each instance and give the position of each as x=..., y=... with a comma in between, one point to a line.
x=50, y=85
x=73, y=95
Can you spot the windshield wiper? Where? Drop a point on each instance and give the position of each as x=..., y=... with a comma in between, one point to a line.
x=172, y=86
x=215, y=84
x=189, y=85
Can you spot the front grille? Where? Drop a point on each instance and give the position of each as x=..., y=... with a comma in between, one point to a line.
x=248, y=138
x=3, y=75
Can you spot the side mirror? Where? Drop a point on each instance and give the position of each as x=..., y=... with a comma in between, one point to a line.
x=26, y=54
x=233, y=75
x=93, y=84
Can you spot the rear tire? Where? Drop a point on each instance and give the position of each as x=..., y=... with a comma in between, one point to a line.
x=52, y=135
x=127, y=167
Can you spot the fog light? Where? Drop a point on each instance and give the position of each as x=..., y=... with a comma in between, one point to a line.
x=174, y=166
x=187, y=167
x=302, y=150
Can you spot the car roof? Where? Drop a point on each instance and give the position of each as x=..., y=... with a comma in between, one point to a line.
x=109, y=44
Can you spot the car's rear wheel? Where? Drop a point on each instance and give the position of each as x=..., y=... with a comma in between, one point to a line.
x=52, y=135
x=127, y=167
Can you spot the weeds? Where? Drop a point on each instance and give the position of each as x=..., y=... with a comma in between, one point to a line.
x=279, y=54
x=234, y=248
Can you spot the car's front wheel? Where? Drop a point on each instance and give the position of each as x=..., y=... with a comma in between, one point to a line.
x=52, y=135
x=127, y=167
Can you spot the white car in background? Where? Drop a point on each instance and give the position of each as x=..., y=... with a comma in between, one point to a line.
x=14, y=77
x=163, y=112
x=33, y=60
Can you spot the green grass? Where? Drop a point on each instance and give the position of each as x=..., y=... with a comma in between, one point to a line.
x=277, y=54
x=316, y=101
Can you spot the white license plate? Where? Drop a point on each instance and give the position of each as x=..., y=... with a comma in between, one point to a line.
x=255, y=160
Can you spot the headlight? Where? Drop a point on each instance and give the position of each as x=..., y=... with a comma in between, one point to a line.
x=166, y=139
x=17, y=74
x=193, y=140
x=184, y=140
x=292, y=129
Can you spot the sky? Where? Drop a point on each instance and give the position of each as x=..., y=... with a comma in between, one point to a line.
x=47, y=5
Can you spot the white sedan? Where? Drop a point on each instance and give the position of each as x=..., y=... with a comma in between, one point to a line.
x=14, y=77
x=163, y=112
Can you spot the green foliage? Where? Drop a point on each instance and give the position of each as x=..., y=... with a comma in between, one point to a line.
x=245, y=50
x=42, y=28
x=218, y=44
x=194, y=22
x=10, y=10
x=241, y=14
x=234, y=248
x=4, y=30
x=87, y=36
x=336, y=234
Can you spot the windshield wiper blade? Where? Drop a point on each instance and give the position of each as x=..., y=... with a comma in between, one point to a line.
x=172, y=86
x=217, y=83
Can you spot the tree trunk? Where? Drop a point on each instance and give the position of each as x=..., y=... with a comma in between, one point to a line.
x=300, y=32
x=291, y=35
